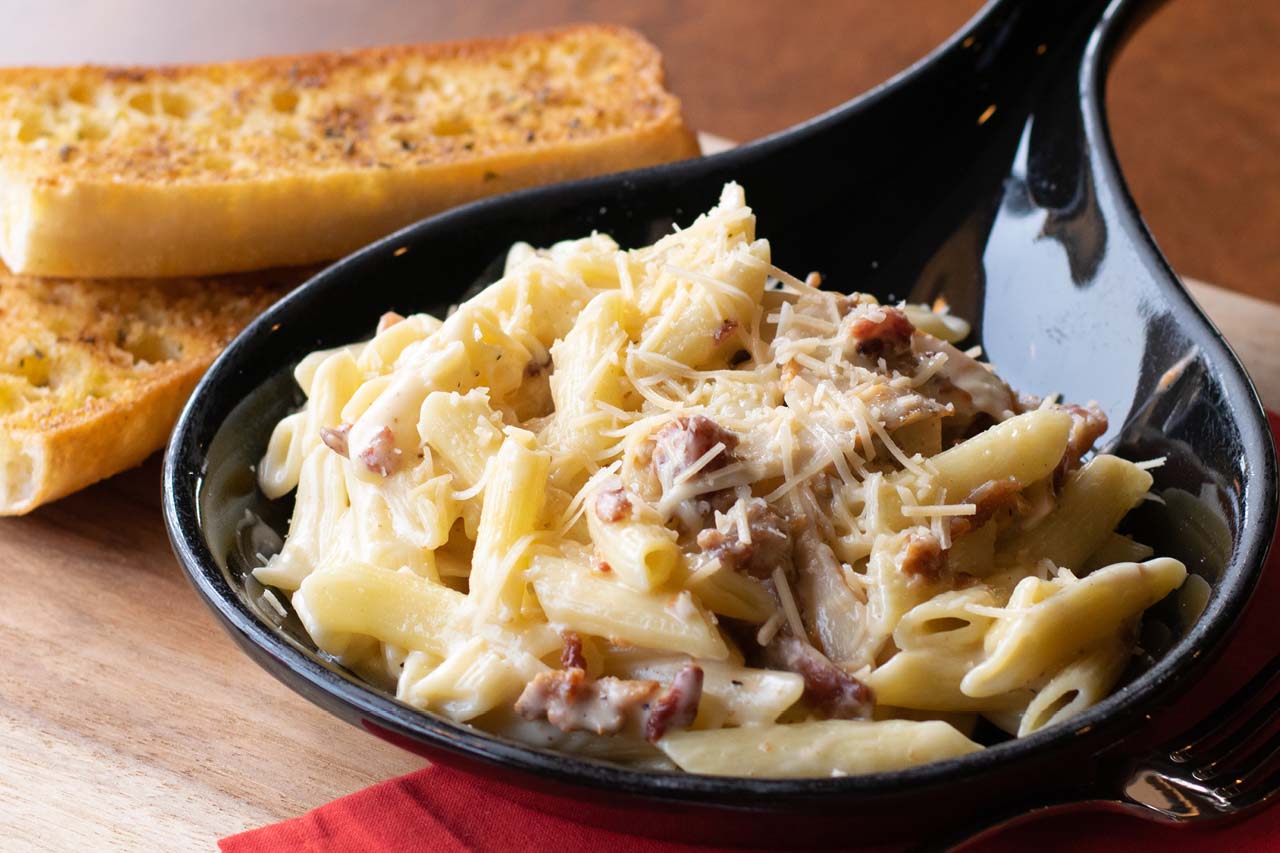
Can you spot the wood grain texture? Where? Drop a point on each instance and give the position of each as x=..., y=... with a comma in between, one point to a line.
x=127, y=717
x=1194, y=99
x=129, y=720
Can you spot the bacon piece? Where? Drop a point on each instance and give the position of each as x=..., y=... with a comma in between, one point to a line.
x=727, y=328
x=881, y=330
x=684, y=441
x=387, y=320
x=895, y=407
x=571, y=656
x=769, y=548
x=833, y=693
x=335, y=438
x=382, y=456
x=1088, y=423
x=612, y=504
x=536, y=368
x=924, y=559
x=677, y=706
x=567, y=699
x=989, y=498
x=964, y=383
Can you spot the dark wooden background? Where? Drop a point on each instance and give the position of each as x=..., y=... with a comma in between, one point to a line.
x=1194, y=100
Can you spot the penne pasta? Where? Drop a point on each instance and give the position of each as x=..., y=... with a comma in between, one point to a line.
x=587, y=601
x=674, y=507
x=828, y=748
x=394, y=607
x=1079, y=685
x=1092, y=502
x=1042, y=637
x=512, y=506
x=637, y=546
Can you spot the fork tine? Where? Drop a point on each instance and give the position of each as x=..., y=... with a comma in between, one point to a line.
x=1255, y=787
x=1239, y=762
x=1233, y=741
x=1220, y=725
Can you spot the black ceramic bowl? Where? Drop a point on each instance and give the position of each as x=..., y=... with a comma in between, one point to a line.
x=983, y=174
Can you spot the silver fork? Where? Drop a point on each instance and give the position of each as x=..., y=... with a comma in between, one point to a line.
x=1224, y=766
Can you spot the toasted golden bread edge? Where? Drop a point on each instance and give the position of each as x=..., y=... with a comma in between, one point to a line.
x=121, y=230
x=479, y=48
x=112, y=437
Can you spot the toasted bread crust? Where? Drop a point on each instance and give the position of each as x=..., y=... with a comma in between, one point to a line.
x=93, y=374
x=103, y=440
x=196, y=170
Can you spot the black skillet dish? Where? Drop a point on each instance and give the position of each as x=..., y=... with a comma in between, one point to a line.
x=983, y=174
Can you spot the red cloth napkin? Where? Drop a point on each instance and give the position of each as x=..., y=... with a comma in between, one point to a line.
x=444, y=810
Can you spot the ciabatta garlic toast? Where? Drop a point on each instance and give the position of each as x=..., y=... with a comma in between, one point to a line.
x=94, y=373
x=203, y=169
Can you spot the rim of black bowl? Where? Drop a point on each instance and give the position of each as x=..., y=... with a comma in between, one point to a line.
x=1113, y=717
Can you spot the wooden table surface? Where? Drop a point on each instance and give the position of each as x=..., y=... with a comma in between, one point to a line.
x=128, y=719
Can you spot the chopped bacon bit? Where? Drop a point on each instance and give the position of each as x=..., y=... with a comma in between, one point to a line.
x=382, y=456
x=890, y=332
x=684, y=441
x=571, y=656
x=612, y=504
x=567, y=699
x=727, y=328
x=601, y=566
x=770, y=545
x=677, y=706
x=989, y=498
x=335, y=438
x=536, y=368
x=1088, y=423
x=965, y=383
x=833, y=693
x=387, y=320
x=924, y=558
x=1024, y=402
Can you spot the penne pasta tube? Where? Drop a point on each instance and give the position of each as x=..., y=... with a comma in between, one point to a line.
x=824, y=748
x=320, y=528
x=474, y=678
x=1117, y=548
x=946, y=621
x=1044, y=637
x=462, y=431
x=512, y=506
x=381, y=353
x=1091, y=504
x=928, y=679
x=391, y=606
x=735, y=595
x=336, y=379
x=1025, y=448
x=582, y=600
x=639, y=549
x=1081, y=684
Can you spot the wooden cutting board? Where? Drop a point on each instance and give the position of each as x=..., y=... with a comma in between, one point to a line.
x=129, y=719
